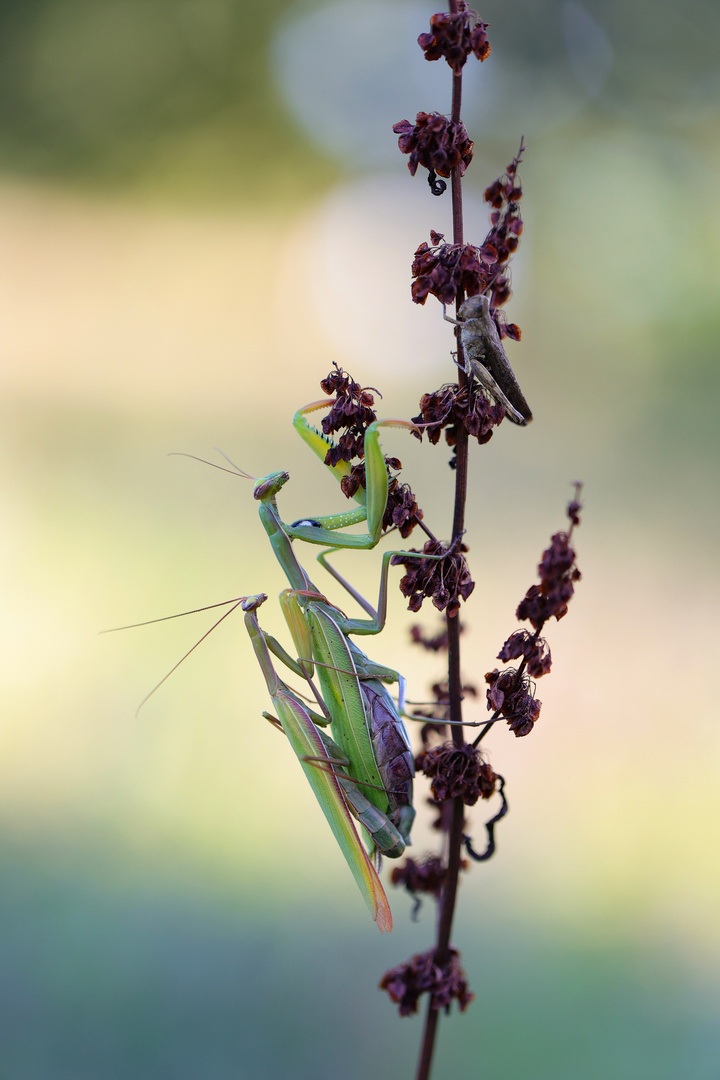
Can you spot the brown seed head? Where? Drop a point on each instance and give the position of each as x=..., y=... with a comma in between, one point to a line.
x=512, y=696
x=558, y=575
x=456, y=36
x=422, y=975
x=457, y=772
x=435, y=143
x=452, y=409
x=446, y=580
x=534, y=649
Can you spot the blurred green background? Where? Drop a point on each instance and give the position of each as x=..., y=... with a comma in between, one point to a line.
x=201, y=208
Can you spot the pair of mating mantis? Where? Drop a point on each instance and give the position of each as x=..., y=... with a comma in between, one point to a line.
x=365, y=770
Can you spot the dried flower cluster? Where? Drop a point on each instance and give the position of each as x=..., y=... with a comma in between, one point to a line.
x=445, y=578
x=422, y=975
x=455, y=36
x=558, y=575
x=434, y=142
x=457, y=772
x=425, y=876
x=534, y=650
x=501, y=242
x=401, y=511
x=351, y=413
x=512, y=696
x=511, y=693
x=442, y=269
x=453, y=409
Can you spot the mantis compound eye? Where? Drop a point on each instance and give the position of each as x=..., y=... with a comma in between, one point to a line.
x=268, y=486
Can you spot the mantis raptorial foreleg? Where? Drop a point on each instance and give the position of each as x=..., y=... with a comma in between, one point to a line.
x=372, y=498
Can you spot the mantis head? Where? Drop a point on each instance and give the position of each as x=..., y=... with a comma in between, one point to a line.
x=267, y=487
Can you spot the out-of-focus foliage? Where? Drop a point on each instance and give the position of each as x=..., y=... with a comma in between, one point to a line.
x=118, y=90
x=181, y=92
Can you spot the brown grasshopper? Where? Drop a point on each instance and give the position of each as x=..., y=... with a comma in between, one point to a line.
x=486, y=359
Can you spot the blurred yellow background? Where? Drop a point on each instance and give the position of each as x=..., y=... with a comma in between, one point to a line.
x=202, y=207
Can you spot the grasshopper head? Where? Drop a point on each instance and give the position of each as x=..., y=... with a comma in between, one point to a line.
x=475, y=307
x=268, y=486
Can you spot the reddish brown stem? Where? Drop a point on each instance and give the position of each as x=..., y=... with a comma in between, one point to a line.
x=449, y=893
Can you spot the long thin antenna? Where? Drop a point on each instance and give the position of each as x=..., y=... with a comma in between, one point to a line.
x=235, y=471
x=240, y=472
x=179, y=615
x=182, y=658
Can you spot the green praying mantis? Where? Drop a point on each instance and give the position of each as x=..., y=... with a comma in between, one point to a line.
x=365, y=771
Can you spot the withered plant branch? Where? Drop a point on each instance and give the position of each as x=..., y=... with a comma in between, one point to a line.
x=448, y=895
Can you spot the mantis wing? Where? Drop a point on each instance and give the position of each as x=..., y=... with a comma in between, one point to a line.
x=306, y=742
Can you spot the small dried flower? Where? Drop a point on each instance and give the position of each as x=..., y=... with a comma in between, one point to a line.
x=423, y=975
x=452, y=409
x=457, y=772
x=456, y=36
x=425, y=876
x=437, y=643
x=401, y=510
x=512, y=696
x=351, y=413
x=435, y=143
x=447, y=580
x=534, y=649
x=558, y=575
x=442, y=269
x=444, y=820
